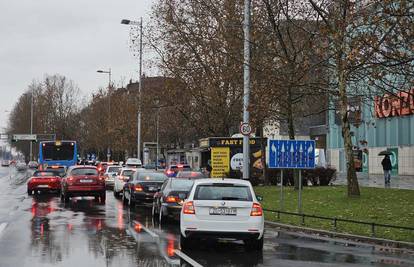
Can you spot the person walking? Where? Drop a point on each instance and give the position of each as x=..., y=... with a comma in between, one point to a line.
x=387, y=167
x=209, y=169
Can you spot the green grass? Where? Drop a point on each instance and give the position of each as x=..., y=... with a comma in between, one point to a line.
x=379, y=205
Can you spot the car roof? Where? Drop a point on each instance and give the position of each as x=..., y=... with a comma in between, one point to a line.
x=221, y=181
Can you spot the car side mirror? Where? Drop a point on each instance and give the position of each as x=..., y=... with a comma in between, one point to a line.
x=259, y=198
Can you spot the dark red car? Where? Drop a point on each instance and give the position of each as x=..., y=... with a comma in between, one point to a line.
x=44, y=181
x=83, y=181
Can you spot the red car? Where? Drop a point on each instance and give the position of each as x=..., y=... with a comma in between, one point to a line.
x=102, y=167
x=83, y=181
x=43, y=181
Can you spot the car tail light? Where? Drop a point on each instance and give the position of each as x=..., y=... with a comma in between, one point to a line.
x=138, y=188
x=256, y=210
x=170, y=172
x=189, y=208
x=34, y=180
x=53, y=179
x=171, y=199
x=101, y=178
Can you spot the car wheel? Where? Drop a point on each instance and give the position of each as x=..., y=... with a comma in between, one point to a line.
x=124, y=199
x=66, y=198
x=185, y=242
x=131, y=203
x=162, y=216
x=154, y=210
x=254, y=244
x=116, y=194
x=29, y=192
x=103, y=198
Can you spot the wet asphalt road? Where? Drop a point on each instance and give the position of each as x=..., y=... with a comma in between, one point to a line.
x=41, y=231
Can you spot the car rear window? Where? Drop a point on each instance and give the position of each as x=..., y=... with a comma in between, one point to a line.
x=114, y=169
x=181, y=184
x=150, y=176
x=128, y=173
x=44, y=174
x=222, y=192
x=188, y=174
x=84, y=171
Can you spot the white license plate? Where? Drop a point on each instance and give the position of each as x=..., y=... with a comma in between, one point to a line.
x=86, y=181
x=223, y=211
x=152, y=188
x=43, y=186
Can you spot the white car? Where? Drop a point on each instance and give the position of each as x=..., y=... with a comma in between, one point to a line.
x=110, y=173
x=222, y=208
x=32, y=164
x=21, y=166
x=133, y=163
x=119, y=181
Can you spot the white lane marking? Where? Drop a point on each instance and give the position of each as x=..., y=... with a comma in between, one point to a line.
x=2, y=227
x=183, y=256
x=151, y=233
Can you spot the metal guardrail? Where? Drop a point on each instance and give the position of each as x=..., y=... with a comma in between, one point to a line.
x=335, y=221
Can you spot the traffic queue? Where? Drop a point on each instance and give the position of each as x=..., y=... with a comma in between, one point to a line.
x=205, y=207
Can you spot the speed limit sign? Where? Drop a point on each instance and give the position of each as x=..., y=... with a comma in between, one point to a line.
x=245, y=129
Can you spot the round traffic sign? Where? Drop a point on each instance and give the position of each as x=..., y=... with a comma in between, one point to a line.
x=245, y=128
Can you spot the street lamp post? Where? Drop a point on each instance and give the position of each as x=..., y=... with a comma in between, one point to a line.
x=109, y=72
x=31, y=124
x=246, y=91
x=138, y=23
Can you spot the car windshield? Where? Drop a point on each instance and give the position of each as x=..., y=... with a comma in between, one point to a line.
x=84, y=171
x=191, y=174
x=222, y=192
x=150, y=176
x=114, y=169
x=181, y=184
x=45, y=174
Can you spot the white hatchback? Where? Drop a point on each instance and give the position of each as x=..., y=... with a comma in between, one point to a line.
x=222, y=208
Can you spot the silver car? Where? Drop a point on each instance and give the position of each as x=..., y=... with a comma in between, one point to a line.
x=109, y=175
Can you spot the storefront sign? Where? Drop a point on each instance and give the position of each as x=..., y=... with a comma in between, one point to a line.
x=220, y=161
x=401, y=104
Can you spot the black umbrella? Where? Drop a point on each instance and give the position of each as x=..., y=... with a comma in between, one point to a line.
x=385, y=153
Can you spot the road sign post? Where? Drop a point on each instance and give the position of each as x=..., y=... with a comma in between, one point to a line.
x=292, y=154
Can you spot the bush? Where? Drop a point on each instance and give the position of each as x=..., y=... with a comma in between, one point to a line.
x=320, y=175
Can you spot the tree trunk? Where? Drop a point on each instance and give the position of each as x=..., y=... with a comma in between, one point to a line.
x=353, y=187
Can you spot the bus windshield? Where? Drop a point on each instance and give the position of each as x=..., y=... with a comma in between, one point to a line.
x=64, y=151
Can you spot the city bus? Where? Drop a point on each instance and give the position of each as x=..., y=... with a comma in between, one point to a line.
x=57, y=153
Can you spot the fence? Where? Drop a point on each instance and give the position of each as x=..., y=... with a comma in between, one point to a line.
x=335, y=221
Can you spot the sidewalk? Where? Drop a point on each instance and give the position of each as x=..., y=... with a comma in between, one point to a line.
x=377, y=180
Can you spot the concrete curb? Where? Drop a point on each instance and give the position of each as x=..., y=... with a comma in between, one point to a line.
x=404, y=246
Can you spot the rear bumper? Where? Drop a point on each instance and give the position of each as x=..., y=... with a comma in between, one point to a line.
x=142, y=197
x=190, y=225
x=109, y=183
x=51, y=187
x=173, y=210
x=96, y=190
x=232, y=235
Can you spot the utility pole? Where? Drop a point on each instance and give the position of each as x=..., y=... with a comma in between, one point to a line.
x=108, y=151
x=139, y=93
x=246, y=88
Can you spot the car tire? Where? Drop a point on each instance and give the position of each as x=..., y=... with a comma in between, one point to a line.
x=154, y=210
x=116, y=194
x=162, y=218
x=124, y=199
x=66, y=198
x=254, y=244
x=103, y=198
x=29, y=192
x=185, y=242
x=131, y=203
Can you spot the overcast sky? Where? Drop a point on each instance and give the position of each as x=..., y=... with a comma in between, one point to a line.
x=70, y=37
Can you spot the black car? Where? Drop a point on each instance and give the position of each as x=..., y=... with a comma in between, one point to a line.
x=168, y=201
x=142, y=187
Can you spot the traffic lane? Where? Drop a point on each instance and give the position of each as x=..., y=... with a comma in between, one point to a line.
x=280, y=248
x=82, y=232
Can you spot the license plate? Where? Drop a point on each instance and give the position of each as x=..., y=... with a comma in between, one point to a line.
x=152, y=188
x=86, y=181
x=42, y=186
x=223, y=211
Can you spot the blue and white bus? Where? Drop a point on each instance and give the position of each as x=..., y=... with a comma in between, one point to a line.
x=58, y=153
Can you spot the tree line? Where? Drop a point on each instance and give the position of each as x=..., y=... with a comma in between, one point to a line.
x=306, y=56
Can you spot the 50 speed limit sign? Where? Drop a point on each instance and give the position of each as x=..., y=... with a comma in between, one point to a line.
x=245, y=128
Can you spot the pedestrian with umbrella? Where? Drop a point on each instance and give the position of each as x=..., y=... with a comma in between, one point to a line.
x=386, y=166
